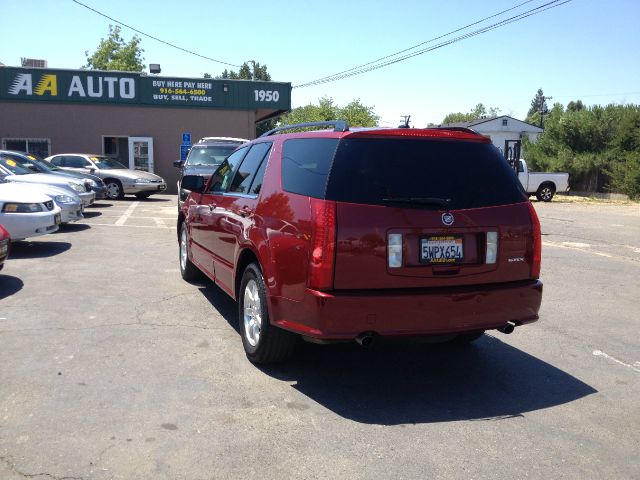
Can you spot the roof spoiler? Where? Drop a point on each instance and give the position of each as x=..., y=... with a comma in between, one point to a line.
x=338, y=126
x=458, y=129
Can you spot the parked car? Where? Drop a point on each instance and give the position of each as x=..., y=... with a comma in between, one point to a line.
x=338, y=235
x=542, y=184
x=119, y=179
x=12, y=172
x=203, y=159
x=37, y=165
x=70, y=204
x=27, y=214
x=5, y=240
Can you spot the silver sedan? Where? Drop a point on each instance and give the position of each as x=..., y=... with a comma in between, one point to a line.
x=119, y=179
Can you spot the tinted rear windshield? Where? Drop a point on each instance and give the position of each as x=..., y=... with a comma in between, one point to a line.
x=210, y=155
x=402, y=172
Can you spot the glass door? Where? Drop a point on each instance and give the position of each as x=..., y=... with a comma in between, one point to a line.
x=141, y=153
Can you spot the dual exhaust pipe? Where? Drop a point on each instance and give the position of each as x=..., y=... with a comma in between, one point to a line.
x=366, y=339
x=508, y=328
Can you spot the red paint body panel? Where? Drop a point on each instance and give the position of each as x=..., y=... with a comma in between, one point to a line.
x=437, y=311
x=4, y=242
x=367, y=295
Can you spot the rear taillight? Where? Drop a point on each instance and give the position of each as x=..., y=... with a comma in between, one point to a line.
x=491, y=248
x=394, y=250
x=536, y=257
x=323, y=244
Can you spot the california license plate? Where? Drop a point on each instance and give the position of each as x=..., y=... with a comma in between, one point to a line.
x=441, y=249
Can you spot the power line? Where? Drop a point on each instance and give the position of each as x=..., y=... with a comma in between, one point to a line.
x=358, y=71
x=425, y=42
x=596, y=95
x=152, y=37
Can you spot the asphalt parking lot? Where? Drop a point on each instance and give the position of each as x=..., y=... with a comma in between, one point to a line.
x=112, y=367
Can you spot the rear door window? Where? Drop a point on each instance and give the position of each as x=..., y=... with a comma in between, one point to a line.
x=58, y=161
x=306, y=163
x=76, y=162
x=247, y=170
x=221, y=178
x=396, y=171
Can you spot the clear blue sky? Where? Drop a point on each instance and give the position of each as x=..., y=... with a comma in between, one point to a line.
x=587, y=49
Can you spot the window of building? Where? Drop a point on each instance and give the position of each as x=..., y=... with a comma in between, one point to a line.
x=36, y=146
x=504, y=122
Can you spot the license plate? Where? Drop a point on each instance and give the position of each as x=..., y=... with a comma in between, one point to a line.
x=57, y=219
x=441, y=250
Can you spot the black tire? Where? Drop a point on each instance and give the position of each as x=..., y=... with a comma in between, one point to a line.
x=466, y=338
x=188, y=270
x=272, y=344
x=545, y=192
x=142, y=196
x=114, y=189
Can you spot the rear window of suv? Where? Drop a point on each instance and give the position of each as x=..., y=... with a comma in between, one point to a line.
x=210, y=154
x=376, y=171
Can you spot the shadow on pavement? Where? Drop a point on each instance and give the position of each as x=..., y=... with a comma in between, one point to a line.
x=9, y=285
x=91, y=214
x=221, y=302
x=73, y=227
x=148, y=199
x=98, y=204
x=412, y=383
x=25, y=249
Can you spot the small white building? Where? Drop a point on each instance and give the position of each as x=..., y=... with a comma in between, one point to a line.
x=505, y=132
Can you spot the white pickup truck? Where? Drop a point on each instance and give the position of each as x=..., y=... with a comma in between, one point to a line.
x=542, y=185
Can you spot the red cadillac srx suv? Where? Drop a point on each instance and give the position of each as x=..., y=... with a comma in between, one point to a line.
x=339, y=234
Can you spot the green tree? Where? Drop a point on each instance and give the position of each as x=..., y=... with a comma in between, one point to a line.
x=206, y=75
x=479, y=111
x=255, y=71
x=354, y=113
x=598, y=146
x=538, y=107
x=575, y=106
x=114, y=53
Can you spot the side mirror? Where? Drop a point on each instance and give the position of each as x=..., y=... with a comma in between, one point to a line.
x=194, y=183
x=92, y=170
x=178, y=163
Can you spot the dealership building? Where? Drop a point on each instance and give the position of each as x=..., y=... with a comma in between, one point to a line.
x=144, y=121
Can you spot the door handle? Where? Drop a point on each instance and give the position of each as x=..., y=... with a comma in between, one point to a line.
x=245, y=211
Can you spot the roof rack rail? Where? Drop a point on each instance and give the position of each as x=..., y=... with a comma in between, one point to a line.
x=458, y=129
x=338, y=126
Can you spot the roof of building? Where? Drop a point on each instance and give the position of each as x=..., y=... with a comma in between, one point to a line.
x=479, y=121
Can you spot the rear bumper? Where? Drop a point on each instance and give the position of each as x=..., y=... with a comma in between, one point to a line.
x=441, y=311
x=145, y=188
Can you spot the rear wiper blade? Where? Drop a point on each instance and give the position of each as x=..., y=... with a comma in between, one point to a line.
x=440, y=202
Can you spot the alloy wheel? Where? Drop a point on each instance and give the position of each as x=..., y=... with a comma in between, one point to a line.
x=183, y=248
x=252, y=313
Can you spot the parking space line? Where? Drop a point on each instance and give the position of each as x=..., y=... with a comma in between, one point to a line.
x=572, y=246
x=128, y=226
x=159, y=222
x=598, y=353
x=120, y=222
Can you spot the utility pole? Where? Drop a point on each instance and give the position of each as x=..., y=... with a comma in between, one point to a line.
x=405, y=121
x=253, y=74
x=542, y=109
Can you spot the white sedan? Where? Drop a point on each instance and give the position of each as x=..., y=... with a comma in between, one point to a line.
x=27, y=214
x=12, y=172
x=70, y=204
